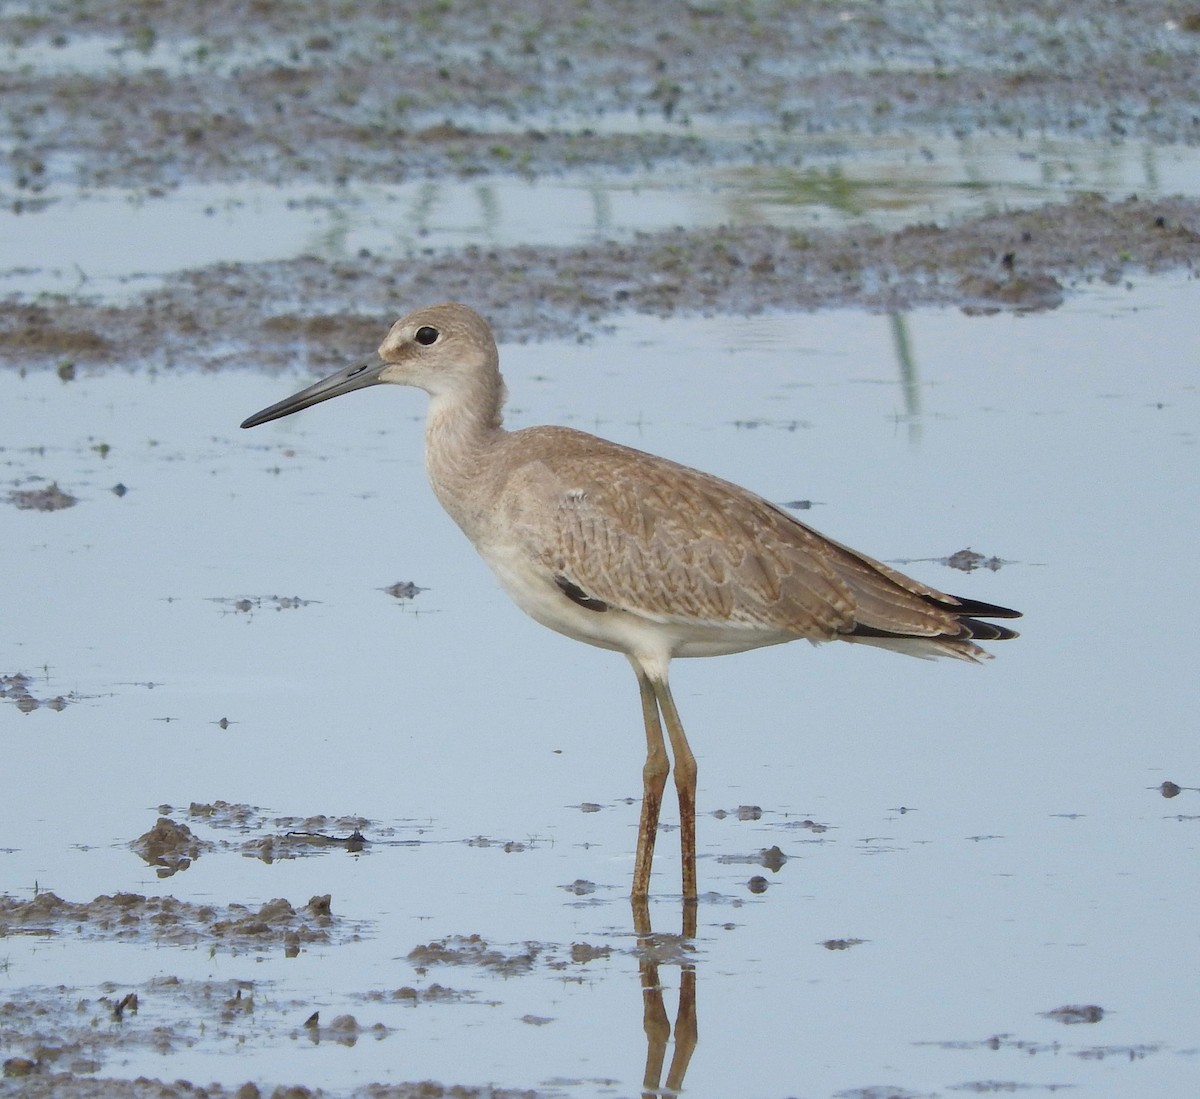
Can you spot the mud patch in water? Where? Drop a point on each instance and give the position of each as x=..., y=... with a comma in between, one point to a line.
x=476, y=952
x=59, y=1040
x=1022, y=261
x=15, y=689
x=1073, y=1014
x=169, y=847
x=172, y=846
x=248, y=604
x=231, y=91
x=50, y=498
x=1031, y=1047
x=167, y=921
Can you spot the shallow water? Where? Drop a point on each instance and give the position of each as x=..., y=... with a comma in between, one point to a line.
x=995, y=836
x=113, y=242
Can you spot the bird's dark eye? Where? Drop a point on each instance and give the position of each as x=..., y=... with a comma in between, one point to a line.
x=426, y=335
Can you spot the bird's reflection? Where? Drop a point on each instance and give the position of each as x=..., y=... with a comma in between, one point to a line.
x=653, y=951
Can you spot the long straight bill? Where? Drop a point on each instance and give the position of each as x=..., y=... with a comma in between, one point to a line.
x=344, y=381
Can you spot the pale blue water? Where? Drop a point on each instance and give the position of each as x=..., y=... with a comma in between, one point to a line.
x=1037, y=866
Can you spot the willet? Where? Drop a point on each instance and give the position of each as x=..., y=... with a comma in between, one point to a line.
x=635, y=553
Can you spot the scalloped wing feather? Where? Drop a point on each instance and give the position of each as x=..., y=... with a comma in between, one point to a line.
x=675, y=545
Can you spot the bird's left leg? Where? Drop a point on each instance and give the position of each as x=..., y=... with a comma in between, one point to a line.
x=685, y=783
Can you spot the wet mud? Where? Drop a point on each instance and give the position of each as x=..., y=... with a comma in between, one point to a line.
x=16, y=688
x=475, y=951
x=230, y=90
x=167, y=921
x=60, y=1040
x=248, y=604
x=70, y=1086
x=1022, y=261
x=50, y=498
x=169, y=847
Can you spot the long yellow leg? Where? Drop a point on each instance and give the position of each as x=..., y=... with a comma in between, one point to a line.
x=654, y=780
x=685, y=784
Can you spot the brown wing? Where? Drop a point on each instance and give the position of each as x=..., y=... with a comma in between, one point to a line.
x=676, y=545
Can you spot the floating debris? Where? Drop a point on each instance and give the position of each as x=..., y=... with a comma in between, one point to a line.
x=15, y=689
x=778, y=425
x=1072, y=1014
x=967, y=560
x=809, y=825
x=356, y=841
x=50, y=498
x=434, y=994
x=508, y=846
x=403, y=589
x=248, y=604
x=474, y=950
x=772, y=858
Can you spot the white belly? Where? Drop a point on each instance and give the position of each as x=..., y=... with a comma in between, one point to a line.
x=532, y=587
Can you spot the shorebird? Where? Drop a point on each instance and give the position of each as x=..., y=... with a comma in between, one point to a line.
x=634, y=553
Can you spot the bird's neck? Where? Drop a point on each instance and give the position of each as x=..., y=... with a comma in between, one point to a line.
x=462, y=428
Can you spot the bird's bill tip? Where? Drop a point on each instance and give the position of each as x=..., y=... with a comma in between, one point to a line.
x=358, y=376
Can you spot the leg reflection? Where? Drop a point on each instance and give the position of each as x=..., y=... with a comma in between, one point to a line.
x=653, y=951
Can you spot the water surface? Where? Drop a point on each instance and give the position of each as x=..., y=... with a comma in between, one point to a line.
x=995, y=836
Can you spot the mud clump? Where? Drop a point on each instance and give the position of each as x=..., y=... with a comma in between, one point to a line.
x=15, y=689
x=407, y=994
x=473, y=950
x=50, y=498
x=297, y=836
x=131, y=917
x=169, y=847
x=249, y=818
x=1074, y=1014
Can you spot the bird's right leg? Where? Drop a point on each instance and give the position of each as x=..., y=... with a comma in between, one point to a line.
x=654, y=781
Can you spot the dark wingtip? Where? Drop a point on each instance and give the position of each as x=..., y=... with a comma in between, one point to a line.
x=967, y=613
x=974, y=608
x=988, y=631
